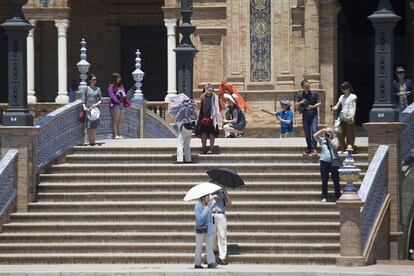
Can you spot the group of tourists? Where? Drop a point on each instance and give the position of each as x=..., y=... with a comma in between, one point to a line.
x=92, y=99
x=211, y=228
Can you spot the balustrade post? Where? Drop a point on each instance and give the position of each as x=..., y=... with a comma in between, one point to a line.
x=24, y=140
x=349, y=206
x=83, y=67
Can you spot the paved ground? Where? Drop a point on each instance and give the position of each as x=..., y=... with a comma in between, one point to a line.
x=403, y=269
x=238, y=142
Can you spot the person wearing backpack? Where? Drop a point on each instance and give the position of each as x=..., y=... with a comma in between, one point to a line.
x=234, y=121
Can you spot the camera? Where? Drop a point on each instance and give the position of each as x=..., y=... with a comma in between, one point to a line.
x=327, y=134
x=120, y=95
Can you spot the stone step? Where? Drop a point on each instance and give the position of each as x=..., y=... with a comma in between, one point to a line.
x=232, y=216
x=175, y=196
x=265, y=227
x=215, y=158
x=170, y=247
x=173, y=176
x=239, y=237
x=176, y=206
x=189, y=168
x=56, y=187
x=195, y=150
x=162, y=258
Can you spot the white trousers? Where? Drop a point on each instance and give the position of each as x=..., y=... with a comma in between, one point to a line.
x=183, y=146
x=200, y=238
x=228, y=129
x=220, y=235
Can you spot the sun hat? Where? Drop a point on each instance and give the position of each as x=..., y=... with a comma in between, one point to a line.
x=400, y=69
x=230, y=97
x=285, y=102
x=93, y=114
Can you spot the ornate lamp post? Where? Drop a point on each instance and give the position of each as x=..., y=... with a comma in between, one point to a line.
x=17, y=29
x=185, y=51
x=384, y=20
x=138, y=76
x=349, y=172
x=83, y=67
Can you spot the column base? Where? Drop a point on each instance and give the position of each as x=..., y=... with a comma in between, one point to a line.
x=17, y=118
x=62, y=99
x=170, y=95
x=350, y=261
x=31, y=98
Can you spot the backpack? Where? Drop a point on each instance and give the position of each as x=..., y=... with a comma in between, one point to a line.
x=241, y=120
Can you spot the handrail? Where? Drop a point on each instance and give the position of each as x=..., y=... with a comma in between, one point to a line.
x=373, y=191
x=59, y=131
x=8, y=184
x=407, y=117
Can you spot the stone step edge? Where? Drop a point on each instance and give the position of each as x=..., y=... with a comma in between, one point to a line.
x=190, y=203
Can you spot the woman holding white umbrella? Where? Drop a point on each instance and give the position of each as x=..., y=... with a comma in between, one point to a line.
x=204, y=220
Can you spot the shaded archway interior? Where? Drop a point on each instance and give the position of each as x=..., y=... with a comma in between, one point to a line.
x=356, y=48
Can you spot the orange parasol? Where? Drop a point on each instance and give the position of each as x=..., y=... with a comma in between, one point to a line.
x=224, y=86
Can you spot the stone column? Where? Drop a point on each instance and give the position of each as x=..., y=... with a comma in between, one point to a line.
x=312, y=71
x=62, y=26
x=31, y=97
x=24, y=140
x=285, y=77
x=389, y=134
x=349, y=205
x=171, y=44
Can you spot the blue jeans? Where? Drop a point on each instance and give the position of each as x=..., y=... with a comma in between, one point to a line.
x=326, y=168
x=310, y=126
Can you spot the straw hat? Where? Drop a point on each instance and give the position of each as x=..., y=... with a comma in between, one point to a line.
x=230, y=97
x=93, y=114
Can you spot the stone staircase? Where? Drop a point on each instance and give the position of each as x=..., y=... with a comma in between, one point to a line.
x=124, y=205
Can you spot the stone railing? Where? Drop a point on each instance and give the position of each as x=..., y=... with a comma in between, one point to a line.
x=407, y=141
x=159, y=108
x=373, y=191
x=149, y=126
x=58, y=132
x=46, y=4
x=8, y=186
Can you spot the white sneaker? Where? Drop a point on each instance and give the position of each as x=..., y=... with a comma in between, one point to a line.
x=323, y=199
x=121, y=137
x=117, y=137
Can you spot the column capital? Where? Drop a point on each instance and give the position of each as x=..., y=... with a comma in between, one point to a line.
x=170, y=24
x=62, y=26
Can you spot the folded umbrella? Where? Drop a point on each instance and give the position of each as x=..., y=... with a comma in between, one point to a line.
x=182, y=108
x=226, y=176
x=201, y=190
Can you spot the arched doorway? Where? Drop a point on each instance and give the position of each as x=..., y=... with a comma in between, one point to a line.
x=356, y=49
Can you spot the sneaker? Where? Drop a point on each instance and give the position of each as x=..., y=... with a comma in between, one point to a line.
x=117, y=137
x=305, y=153
x=315, y=153
x=213, y=265
x=323, y=200
x=198, y=266
x=222, y=262
x=121, y=137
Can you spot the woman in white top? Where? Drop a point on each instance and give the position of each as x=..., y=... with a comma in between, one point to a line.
x=347, y=127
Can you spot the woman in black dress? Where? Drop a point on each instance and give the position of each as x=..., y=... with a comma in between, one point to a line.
x=207, y=126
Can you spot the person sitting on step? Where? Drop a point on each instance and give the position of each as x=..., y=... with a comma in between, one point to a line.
x=234, y=121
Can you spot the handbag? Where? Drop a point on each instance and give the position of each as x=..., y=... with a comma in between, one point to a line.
x=206, y=121
x=201, y=229
x=336, y=162
x=82, y=114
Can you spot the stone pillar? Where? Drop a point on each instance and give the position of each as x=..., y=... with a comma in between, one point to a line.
x=62, y=26
x=24, y=140
x=349, y=206
x=31, y=97
x=384, y=21
x=235, y=39
x=328, y=56
x=172, y=73
x=285, y=77
x=312, y=71
x=389, y=134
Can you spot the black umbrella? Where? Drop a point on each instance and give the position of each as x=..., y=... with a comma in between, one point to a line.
x=226, y=177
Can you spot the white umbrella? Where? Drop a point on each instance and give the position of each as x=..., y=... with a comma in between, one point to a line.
x=201, y=190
